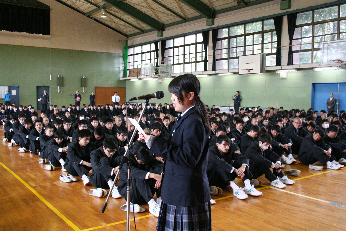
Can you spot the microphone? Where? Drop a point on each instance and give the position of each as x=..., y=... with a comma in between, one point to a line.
x=158, y=95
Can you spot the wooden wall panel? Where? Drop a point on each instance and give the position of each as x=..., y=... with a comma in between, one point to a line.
x=103, y=95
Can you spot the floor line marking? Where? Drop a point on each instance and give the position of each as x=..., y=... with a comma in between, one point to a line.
x=297, y=194
x=116, y=223
x=49, y=205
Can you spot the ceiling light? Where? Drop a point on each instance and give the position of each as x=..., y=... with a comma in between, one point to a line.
x=326, y=68
x=103, y=15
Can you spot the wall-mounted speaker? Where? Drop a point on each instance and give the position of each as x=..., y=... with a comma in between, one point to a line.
x=60, y=81
x=83, y=81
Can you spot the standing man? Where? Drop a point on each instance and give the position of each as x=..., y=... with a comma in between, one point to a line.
x=77, y=99
x=92, y=99
x=236, y=98
x=331, y=103
x=44, y=101
x=7, y=98
x=115, y=99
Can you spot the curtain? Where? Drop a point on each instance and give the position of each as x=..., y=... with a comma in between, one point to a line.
x=292, y=23
x=126, y=56
x=215, y=33
x=16, y=18
x=163, y=49
x=278, y=30
x=205, y=35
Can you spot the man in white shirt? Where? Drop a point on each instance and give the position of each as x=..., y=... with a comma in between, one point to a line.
x=115, y=99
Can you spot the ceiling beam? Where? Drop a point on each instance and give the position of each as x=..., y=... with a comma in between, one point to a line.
x=136, y=14
x=243, y=1
x=169, y=9
x=104, y=24
x=200, y=7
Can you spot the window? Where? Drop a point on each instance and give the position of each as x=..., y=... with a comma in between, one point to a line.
x=186, y=54
x=140, y=55
x=315, y=27
x=247, y=39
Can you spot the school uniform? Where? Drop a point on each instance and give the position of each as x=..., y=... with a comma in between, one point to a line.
x=24, y=141
x=338, y=146
x=77, y=103
x=54, y=154
x=43, y=145
x=8, y=126
x=296, y=137
x=34, y=137
x=312, y=151
x=97, y=143
x=237, y=135
x=185, y=186
x=75, y=156
x=246, y=142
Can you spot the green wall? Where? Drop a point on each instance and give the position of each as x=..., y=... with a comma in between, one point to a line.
x=28, y=67
x=261, y=89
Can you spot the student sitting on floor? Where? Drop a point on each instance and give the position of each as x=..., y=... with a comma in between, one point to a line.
x=249, y=138
x=145, y=179
x=82, y=124
x=313, y=149
x=281, y=145
x=78, y=157
x=34, y=137
x=67, y=129
x=8, y=126
x=44, y=138
x=16, y=125
x=264, y=161
x=23, y=133
x=338, y=146
x=105, y=162
x=222, y=173
x=221, y=130
x=97, y=137
x=57, y=149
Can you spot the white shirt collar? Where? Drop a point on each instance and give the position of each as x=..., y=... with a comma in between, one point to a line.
x=182, y=114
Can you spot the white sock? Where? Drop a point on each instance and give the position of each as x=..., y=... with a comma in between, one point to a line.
x=110, y=183
x=84, y=176
x=234, y=186
x=62, y=162
x=247, y=183
x=152, y=202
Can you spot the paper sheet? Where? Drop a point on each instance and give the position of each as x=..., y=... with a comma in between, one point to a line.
x=136, y=124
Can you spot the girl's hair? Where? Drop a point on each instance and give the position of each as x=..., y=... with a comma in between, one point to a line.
x=184, y=84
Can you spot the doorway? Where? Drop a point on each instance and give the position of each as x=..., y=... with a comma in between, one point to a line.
x=39, y=93
x=14, y=91
x=320, y=93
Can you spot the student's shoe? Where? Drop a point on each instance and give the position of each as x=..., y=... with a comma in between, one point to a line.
x=133, y=208
x=158, y=201
x=255, y=182
x=240, y=194
x=290, y=156
x=285, y=180
x=72, y=178
x=65, y=179
x=342, y=161
x=99, y=192
x=115, y=193
x=278, y=184
x=292, y=172
x=10, y=144
x=215, y=191
x=332, y=166
x=252, y=191
x=212, y=202
x=85, y=180
x=22, y=150
x=42, y=161
x=4, y=140
x=315, y=167
x=337, y=163
x=49, y=167
x=287, y=160
x=154, y=210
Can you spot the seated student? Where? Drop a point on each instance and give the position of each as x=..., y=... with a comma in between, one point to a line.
x=309, y=129
x=45, y=122
x=238, y=131
x=313, y=149
x=122, y=140
x=294, y=133
x=94, y=123
x=78, y=157
x=16, y=125
x=144, y=123
x=130, y=129
x=145, y=179
x=109, y=127
x=249, y=138
x=222, y=173
x=97, y=137
x=221, y=130
x=67, y=130
x=338, y=146
x=281, y=145
x=34, y=137
x=325, y=124
x=56, y=149
x=44, y=138
x=105, y=162
x=213, y=125
x=264, y=161
x=24, y=132
x=82, y=124
x=8, y=127
x=57, y=124
x=166, y=128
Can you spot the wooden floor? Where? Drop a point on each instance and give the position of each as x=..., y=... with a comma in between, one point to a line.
x=35, y=199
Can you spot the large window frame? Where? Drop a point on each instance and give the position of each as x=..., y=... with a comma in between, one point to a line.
x=141, y=55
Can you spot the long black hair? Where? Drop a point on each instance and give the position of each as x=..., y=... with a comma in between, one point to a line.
x=184, y=84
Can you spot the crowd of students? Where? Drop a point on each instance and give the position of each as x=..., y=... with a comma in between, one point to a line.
x=90, y=142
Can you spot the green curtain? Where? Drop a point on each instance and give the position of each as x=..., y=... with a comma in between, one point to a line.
x=126, y=56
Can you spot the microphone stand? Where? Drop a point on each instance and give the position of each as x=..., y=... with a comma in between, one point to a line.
x=125, y=158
